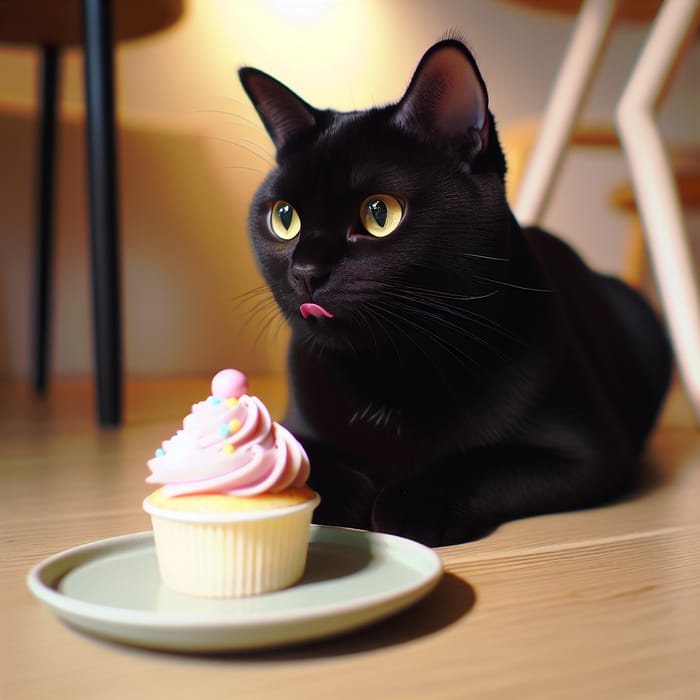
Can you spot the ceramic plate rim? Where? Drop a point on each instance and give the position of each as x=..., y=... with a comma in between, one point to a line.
x=43, y=583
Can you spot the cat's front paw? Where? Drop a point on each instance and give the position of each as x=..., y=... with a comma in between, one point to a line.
x=346, y=497
x=428, y=515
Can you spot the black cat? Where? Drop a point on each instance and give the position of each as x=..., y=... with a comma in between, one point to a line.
x=448, y=370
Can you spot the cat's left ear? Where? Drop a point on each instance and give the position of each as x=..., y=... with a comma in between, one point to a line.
x=447, y=99
x=284, y=114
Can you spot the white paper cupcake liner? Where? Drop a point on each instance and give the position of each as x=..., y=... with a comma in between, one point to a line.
x=231, y=555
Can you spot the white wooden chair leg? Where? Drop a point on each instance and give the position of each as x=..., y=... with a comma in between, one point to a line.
x=569, y=91
x=654, y=187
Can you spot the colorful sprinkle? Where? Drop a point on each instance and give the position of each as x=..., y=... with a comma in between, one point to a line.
x=160, y=452
x=235, y=425
x=228, y=449
x=224, y=430
x=232, y=402
x=214, y=401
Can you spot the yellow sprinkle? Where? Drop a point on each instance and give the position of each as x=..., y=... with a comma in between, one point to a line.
x=232, y=402
x=235, y=425
x=228, y=449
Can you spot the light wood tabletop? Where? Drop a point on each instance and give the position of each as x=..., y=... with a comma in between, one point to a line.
x=603, y=603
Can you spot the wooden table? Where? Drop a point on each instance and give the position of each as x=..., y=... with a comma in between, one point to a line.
x=597, y=604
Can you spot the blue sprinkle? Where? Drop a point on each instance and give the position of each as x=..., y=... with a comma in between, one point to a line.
x=214, y=401
x=160, y=452
x=224, y=431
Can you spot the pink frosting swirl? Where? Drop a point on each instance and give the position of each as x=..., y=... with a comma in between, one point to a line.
x=229, y=444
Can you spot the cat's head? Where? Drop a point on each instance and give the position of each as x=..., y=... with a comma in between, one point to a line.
x=375, y=221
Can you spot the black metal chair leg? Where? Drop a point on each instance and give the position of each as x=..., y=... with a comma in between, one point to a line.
x=43, y=273
x=104, y=222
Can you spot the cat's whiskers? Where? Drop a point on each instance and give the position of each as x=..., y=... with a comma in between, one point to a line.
x=512, y=285
x=254, y=300
x=378, y=321
x=361, y=317
x=456, y=352
x=348, y=341
x=445, y=378
x=450, y=325
x=253, y=291
x=273, y=321
x=252, y=122
x=484, y=257
x=381, y=316
x=438, y=308
x=439, y=294
x=484, y=322
x=264, y=157
x=245, y=167
x=487, y=323
x=262, y=310
x=266, y=322
x=282, y=321
x=257, y=147
x=313, y=345
x=436, y=304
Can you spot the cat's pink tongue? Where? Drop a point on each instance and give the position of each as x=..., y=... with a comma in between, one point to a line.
x=314, y=310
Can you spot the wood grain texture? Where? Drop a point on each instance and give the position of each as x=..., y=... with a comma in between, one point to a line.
x=603, y=603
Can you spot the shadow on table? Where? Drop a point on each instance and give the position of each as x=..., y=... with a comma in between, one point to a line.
x=451, y=600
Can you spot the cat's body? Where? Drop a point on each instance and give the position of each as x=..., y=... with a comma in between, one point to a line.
x=448, y=370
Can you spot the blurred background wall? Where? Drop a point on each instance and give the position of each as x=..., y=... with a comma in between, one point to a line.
x=192, y=153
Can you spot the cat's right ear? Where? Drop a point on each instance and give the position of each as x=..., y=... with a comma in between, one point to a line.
x=284, y=114
x=447, y=99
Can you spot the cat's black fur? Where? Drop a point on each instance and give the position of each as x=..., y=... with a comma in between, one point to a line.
x=473, y=372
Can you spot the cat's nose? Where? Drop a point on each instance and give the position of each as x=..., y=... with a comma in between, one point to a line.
x=311, y=275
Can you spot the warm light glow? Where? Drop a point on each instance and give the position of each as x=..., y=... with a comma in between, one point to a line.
x=299, y=10
x=322, y=48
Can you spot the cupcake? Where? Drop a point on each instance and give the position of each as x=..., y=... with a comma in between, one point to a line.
x=232, y=515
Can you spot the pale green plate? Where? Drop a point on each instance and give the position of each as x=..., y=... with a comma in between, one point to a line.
x=112, y=589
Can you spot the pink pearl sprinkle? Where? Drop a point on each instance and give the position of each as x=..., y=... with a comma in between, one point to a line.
x=229, y=383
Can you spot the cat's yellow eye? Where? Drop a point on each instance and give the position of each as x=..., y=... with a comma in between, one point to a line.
x=284, y=220
x=380, y=214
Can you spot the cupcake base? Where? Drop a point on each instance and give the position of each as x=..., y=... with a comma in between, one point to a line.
x=231, y=555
